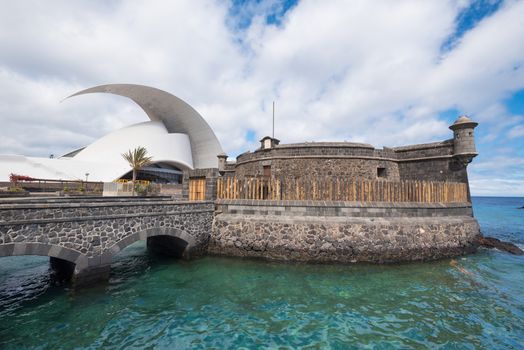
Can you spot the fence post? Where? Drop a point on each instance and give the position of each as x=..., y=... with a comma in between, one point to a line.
x=343, y=189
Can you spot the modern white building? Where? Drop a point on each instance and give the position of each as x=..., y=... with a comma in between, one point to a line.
x=177, y=138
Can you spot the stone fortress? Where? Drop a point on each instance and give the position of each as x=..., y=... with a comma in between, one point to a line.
x=411, y=223
x=438, y=161
x=311, y=202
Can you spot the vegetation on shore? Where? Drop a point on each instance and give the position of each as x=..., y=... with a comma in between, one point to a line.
x=137, y=159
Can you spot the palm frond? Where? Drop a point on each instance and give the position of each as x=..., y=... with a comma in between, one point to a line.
x=137, y=158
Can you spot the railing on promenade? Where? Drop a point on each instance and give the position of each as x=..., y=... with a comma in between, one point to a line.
x=341, y=189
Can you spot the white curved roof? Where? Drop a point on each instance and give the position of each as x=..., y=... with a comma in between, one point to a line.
x=161, y=145
x=102, y=159
x=175, y=114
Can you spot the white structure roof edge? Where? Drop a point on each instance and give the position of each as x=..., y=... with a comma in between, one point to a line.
x=177, y=116
x=176, y=135
x=161, y=145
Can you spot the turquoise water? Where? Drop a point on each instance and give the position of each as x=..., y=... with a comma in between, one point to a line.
x=221, y=303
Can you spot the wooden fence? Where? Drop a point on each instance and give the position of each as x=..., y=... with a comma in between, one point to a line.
x=341, y=189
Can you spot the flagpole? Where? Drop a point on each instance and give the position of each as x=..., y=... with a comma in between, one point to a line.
x=273, y=119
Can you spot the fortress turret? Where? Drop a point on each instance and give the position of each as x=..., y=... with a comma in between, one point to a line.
x=222, y=160
x=463, y=139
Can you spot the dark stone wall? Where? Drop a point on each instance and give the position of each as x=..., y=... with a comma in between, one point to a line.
x=211, y=175
x=342, y=231
x=311, y=149
x=319, y=167
x=435, y=149
x=349, y=240
x=433, y=170
x=341, y=208
x=356, y=161
x=424, y=162
x=430, y=162
x=80, y=211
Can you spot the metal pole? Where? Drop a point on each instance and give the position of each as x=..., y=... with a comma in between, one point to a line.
x=273, y=119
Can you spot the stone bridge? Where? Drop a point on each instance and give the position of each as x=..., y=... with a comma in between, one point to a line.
x=81, y=235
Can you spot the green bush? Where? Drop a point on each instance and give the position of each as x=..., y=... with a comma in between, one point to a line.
x=146, y=190
x=15, y=189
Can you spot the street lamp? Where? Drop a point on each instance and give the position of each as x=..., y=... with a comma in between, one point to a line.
x=87, y=174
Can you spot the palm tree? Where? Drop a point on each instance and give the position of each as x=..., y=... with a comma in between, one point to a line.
x=137, y=159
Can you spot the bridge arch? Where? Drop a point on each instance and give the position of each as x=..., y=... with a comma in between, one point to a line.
x=179, y=241
x=43, y=249
x=63, y=260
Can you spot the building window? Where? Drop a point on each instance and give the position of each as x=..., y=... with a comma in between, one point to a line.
x=381, y=172
x=267, y=170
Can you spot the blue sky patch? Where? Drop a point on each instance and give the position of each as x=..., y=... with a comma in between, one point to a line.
x=243, y=11
x=468, y=18
x=515, y=104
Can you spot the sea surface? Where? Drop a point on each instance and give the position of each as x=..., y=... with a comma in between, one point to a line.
x=473, y=302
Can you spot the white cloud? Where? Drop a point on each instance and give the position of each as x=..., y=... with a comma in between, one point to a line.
x=516, y=131
x=500, y=162
x=370, y=71
x=489, y=186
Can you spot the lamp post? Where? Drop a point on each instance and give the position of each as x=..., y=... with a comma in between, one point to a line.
x=87, y=175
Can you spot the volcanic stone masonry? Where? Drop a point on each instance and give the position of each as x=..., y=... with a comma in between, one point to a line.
x=343, y=231
x=89, y=232
x=349, y=231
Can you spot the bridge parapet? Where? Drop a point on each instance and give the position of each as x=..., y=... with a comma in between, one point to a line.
x=89, y=232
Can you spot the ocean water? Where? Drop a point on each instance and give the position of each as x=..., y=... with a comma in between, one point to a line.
x=151, y=302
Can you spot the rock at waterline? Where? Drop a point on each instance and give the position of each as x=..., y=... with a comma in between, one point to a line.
x=490, y=242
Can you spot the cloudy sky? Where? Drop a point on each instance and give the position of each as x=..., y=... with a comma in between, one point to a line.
x=385, y=72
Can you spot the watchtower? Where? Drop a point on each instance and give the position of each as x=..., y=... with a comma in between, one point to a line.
x=463, y=139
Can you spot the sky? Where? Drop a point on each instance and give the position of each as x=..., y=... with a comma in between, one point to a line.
x=389, y=73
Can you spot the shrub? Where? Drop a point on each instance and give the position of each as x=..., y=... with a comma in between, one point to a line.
x=15, y=189
x=146, y=190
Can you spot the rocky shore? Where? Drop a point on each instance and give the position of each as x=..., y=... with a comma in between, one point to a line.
x=494, y=243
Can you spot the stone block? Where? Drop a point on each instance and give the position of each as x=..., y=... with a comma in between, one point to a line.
x=6, y=249
x=37, y=249
x=301, y=209
x=94, y=261
x=69, y=255
x=19, y=249
x=81, y=262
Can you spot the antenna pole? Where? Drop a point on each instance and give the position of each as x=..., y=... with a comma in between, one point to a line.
x=273, y=119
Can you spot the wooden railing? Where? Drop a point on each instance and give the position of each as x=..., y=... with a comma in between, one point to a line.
x=341, y=189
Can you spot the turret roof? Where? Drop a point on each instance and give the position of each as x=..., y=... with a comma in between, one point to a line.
x=462, y=122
